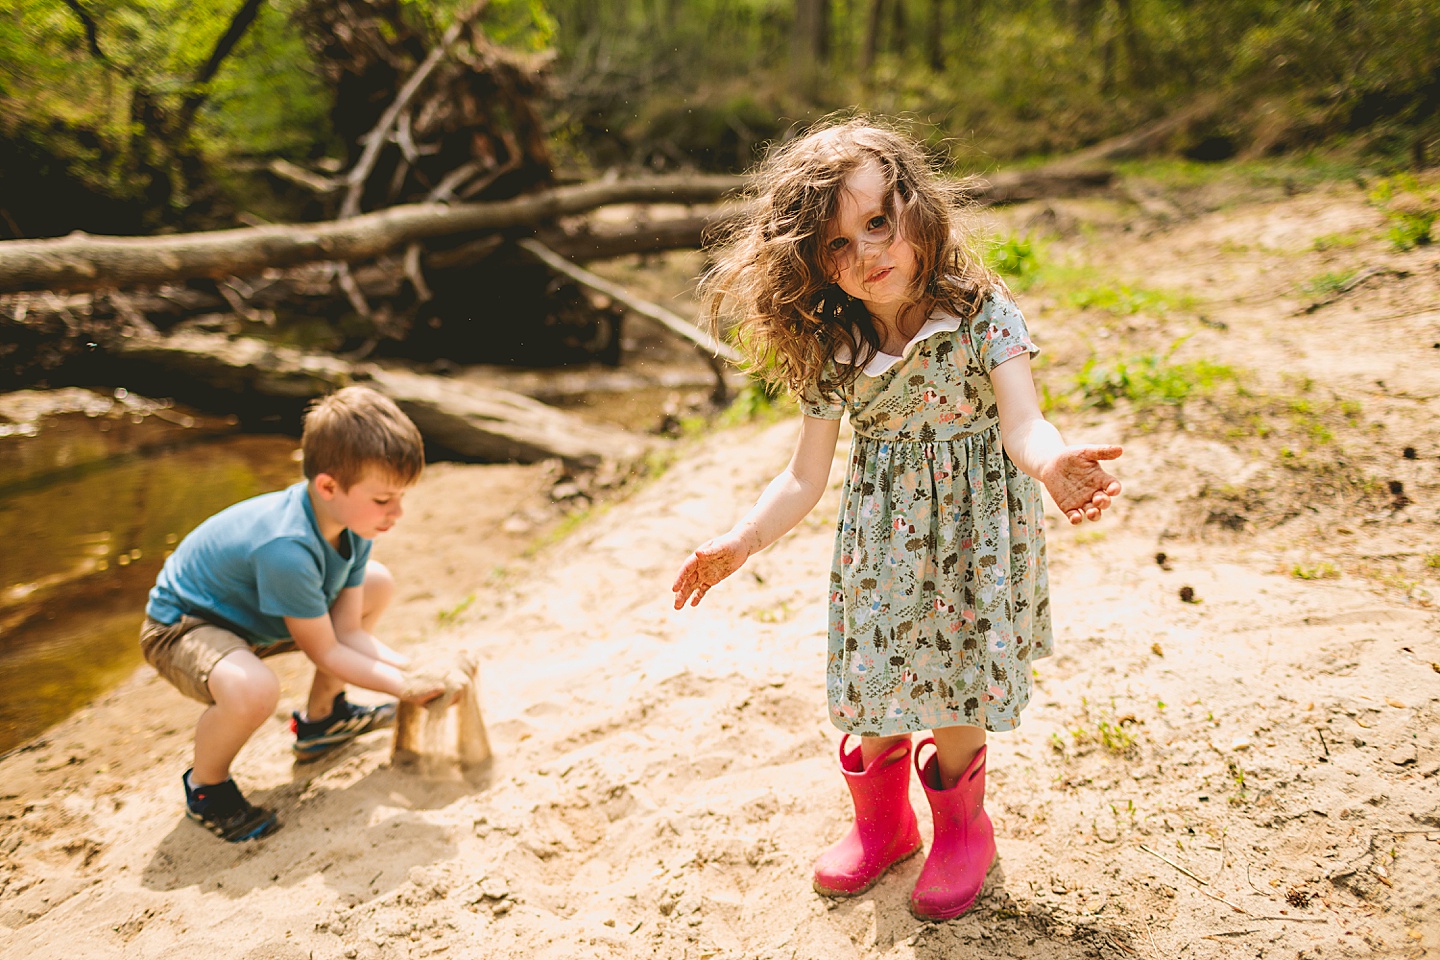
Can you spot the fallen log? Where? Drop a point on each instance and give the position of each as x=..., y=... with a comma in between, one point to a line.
x=465, y=419
x=1018, y=186
x=83, y=262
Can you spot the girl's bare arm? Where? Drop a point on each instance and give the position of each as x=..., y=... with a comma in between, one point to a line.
x=785, y=502
x=1072, y=474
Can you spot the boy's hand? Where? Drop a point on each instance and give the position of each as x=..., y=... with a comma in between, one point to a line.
x=712, y=561
x=1077, y=483
x=443, y=681
x=422, y=686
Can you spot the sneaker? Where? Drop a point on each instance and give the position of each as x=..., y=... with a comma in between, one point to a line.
x=315, y=738
x=224, y=811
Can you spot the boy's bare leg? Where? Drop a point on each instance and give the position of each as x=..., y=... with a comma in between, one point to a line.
x=955, y=747
x=379, y=591
x=245, y=693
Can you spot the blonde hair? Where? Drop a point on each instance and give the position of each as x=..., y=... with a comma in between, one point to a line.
x=772, y=271
x=355, y=428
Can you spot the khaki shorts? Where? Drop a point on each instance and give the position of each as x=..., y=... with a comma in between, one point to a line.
x=184, y=652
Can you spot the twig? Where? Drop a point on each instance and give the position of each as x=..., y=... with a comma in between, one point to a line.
x=1175, y=865
x=1354, y=282
x=352, y=289
x=232, y=296
x=713, y=349
x=445, y=190
x=416, y=274
x=406, y=139
x=308, y=179
x=1151, y=934
x=1321, y=734
x=380, y=135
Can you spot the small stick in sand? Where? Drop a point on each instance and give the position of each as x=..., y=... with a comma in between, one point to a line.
x=1175, y=865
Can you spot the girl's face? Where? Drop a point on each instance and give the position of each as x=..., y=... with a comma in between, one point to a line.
x=866, y=254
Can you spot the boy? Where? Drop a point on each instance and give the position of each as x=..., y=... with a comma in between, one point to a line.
x=282, y=571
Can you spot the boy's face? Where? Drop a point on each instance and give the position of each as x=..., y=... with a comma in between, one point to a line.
x=371, y=506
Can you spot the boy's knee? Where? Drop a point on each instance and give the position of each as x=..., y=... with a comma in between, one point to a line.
x=379, y=588
x=245, y=688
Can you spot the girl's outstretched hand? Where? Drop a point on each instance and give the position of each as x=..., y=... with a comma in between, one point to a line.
x=712, y=561
x=1078, y=484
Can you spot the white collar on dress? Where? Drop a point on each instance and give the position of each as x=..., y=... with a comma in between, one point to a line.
x=939, y=321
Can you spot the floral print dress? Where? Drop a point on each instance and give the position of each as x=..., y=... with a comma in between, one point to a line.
x=939, y=597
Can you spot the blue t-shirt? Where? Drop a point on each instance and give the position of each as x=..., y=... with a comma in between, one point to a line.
x=251, y=565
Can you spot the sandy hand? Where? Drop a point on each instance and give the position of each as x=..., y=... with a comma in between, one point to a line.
x=439, y=684
x=1078, y=484
x=712, y=561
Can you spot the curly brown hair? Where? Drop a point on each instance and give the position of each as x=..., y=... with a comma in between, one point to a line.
x=772, y=273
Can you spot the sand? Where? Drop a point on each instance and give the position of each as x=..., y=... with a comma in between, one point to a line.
x=1252, y=773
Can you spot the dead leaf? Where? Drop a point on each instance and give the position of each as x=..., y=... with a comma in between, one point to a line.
x=1395, y=703
x=1156, y=649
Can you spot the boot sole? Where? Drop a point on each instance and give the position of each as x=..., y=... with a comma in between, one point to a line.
x=827, y=892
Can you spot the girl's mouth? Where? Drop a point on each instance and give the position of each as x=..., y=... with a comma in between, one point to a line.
x=879, y=275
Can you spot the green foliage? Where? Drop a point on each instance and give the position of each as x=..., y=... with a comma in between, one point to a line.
x=1327, y=284
x=1123, y=299
x=1410, y=207
x=1336, y=241
x=453, y=614
x=757, y=400
x=1016, y=259
x=1147, y=380
x=1320, y=571
x=1101, y=727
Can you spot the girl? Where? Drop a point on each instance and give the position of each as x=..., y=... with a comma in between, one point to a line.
x=859, y=291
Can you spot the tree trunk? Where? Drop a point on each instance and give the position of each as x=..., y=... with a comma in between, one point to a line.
x=80, y=262
x=935, y=39
x=812, y=33
x=467, y=420
x=873, y=20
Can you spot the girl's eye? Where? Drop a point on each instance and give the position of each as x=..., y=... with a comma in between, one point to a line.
x=383, y=502
x=836, y=245
x=878, y=222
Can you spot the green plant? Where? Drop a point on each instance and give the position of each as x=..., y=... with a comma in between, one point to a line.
x=757, y=400
x=1432, y=560
x=1336, y=241
x=1327, y=284
x=1320, y=571
x=1016, y=258
x=1147, y=380
x=1411, y=208
x=1122, y=299
x=1237, y=774
x=453, y=614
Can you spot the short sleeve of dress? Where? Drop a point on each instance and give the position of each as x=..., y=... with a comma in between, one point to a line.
x=814, y=403
x=1000, y=332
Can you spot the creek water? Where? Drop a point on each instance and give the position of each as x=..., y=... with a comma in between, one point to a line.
x=90, y=505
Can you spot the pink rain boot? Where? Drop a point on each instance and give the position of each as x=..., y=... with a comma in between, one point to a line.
x=964, y=845
x=885, y=831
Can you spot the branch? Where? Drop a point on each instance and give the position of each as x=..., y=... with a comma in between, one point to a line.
x=83, y=262
x=200, y=85
x=378, y=136
x=92, y=33
x=714, y=348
